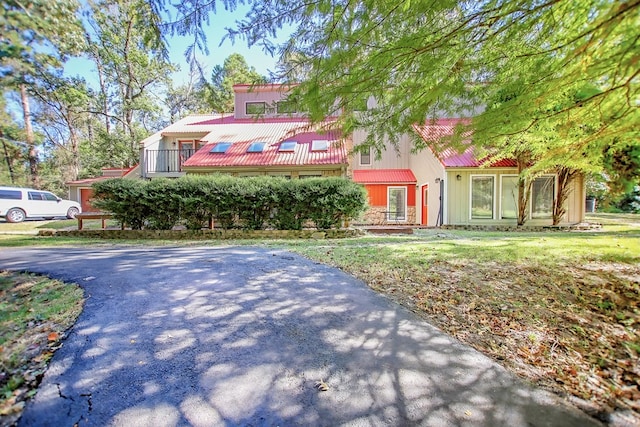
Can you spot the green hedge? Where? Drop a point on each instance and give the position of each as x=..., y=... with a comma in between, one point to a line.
x=253, y=203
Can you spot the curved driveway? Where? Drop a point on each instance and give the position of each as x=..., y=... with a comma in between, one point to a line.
x=238, y=336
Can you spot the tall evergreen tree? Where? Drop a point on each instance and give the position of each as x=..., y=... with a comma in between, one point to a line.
x=34, y=34
x=131, y=60
x=235, y=70
x=11, y=140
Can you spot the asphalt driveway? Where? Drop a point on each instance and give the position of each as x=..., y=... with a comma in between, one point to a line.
x=219, y=336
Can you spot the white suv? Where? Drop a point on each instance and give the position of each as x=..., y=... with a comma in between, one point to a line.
x=17, y=204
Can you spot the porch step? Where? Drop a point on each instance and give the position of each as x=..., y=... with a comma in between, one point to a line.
x=389, y=229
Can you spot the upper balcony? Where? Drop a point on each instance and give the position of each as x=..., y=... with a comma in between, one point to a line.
x=165, y=163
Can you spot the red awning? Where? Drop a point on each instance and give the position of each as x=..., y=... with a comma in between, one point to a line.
x=384, y=176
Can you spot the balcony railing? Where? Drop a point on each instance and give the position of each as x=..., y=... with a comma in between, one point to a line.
x=166, y=161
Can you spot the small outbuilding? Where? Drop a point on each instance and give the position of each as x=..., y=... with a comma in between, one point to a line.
x=81, y=191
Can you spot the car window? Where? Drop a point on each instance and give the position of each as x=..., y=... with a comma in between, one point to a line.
x=10, y=194
x=50, y=196
x=36, y=195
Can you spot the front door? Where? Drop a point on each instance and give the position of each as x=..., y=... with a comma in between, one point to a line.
x=186, y=151
x=425, y=204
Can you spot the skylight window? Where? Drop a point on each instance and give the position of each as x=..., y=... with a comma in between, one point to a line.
x=287, y=146
x=256, y=147
x=319, y=145
x=220, y=147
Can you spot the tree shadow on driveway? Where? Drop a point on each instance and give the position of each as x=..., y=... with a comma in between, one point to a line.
x=240, y=336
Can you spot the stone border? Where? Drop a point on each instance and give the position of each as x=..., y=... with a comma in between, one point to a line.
x=525, y=228
x=205, y=234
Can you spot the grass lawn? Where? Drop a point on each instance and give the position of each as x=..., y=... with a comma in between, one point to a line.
x=35, y=312
x=559, y=308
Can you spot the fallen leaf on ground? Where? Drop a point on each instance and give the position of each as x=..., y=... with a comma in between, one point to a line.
x=322, y=386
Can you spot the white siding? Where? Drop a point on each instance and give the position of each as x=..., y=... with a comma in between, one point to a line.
x=427, y=168
x=270, y=97
x=458, y=197
x=390, y=158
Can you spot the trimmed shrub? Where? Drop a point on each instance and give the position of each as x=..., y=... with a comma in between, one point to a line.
x=293, y=209
x=334, y=200
x=222, y=199
x=251, y=203
x=125, y=199
x=163, y=205
x=193, y=194
x=256, y=199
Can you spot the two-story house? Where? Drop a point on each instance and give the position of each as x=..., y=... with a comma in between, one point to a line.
x=267, y=135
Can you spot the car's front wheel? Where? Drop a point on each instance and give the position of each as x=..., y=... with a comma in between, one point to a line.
x=16, y=215
x=72, y=212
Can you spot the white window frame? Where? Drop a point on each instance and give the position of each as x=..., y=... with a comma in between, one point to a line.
x=283, y=102
x=254, y=144
x=553, y=197
x=279, y=174
x=306, y=175
x=406, y=195
x=319, y=145
x=217, y=144
x=246, y=104
x=493, y=208
x=287, y=150
x=508, y=175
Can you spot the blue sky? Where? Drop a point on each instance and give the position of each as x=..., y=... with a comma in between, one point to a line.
x=255, y=57
x=261, y=61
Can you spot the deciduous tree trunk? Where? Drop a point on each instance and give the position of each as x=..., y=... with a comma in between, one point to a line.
x=74, y=146
x=7, y=158
x=565, y=177
x=32, y=155
x=103, y=93
x=524, y=188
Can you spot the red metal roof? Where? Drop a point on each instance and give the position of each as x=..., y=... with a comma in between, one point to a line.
x=452, y=159
x=384, y=176
x=89, y=181
x=272, y=131
x=432, y=133
x=105, y=175
x=269, y=87
x=226, y=120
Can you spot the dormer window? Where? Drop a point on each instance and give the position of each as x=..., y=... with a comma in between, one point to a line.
x=319, y=145
x=220, y=147
x=256, y=147
x=255, y=107
x=287, y=146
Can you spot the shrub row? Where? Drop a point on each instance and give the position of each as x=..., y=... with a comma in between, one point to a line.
x=253, y=203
